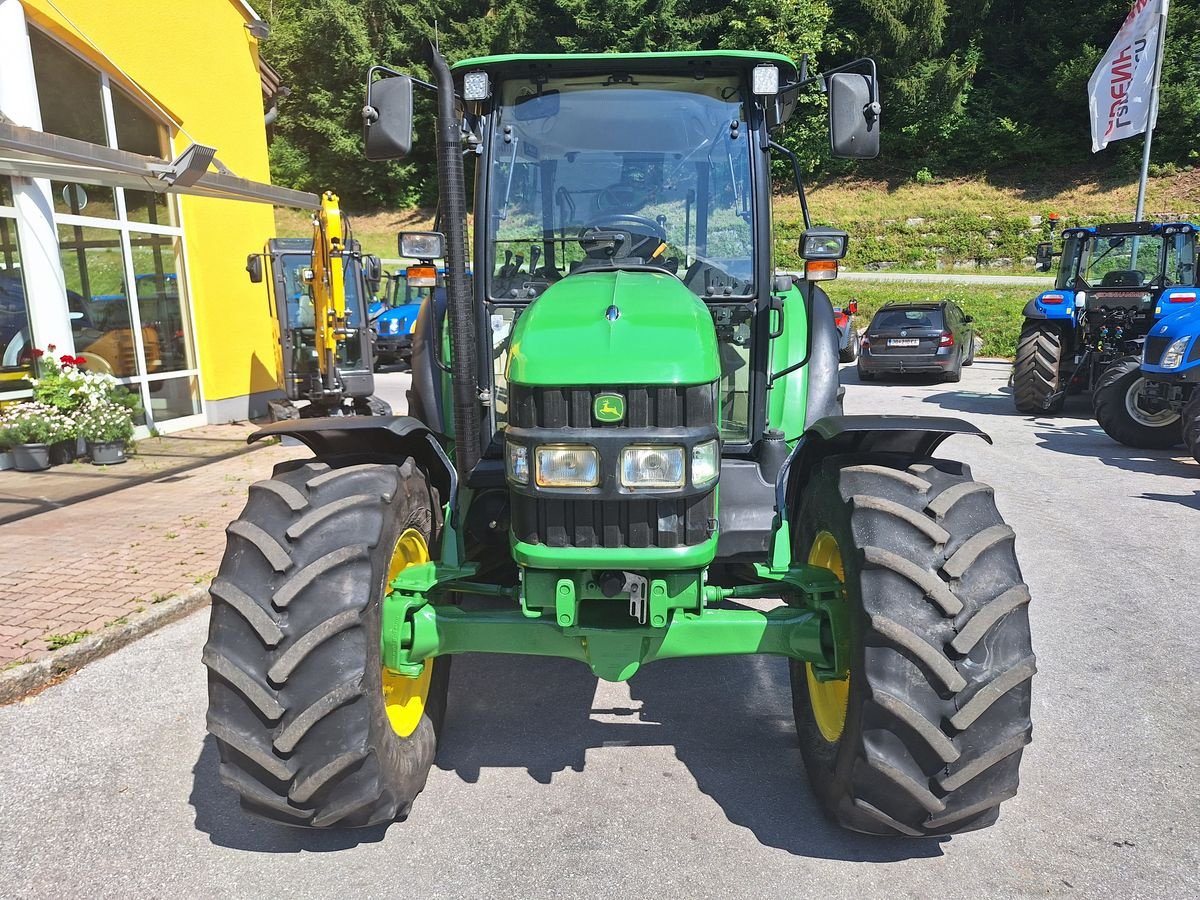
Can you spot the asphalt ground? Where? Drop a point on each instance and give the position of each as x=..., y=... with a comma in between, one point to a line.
x=685, y=782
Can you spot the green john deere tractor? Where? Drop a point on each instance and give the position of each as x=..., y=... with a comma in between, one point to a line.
x=625, y=434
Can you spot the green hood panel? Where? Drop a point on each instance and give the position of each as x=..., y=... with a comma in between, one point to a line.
x=662, y=335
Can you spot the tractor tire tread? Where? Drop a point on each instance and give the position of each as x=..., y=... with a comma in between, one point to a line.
x=295, y=700
x=1037, y=370
x=1109, y=407
x=940, y=672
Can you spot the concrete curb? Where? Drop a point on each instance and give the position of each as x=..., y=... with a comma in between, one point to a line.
x=23, y=680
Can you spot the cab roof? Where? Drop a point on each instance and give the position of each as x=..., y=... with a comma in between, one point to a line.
x=518, y=64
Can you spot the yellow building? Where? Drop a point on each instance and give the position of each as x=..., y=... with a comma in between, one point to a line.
x=148, y=285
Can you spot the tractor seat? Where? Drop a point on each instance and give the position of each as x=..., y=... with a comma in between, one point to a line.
x=1123, y=278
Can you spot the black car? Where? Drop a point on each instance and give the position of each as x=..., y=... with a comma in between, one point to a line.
x=933, y=337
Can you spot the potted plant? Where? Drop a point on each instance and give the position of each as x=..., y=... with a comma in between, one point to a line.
x=107, y=426
x=6, y=442
x=31, y=428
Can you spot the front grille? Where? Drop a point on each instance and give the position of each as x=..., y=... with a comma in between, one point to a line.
x=606, y=518
x=645, y=407
x=1155, y=348
x=1194, y=353
x=650, y=522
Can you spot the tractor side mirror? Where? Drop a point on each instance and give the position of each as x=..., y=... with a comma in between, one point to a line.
x=1043, y=255
x=372, y=272
x=853, y=115
x=388, y=118
x=254, y=268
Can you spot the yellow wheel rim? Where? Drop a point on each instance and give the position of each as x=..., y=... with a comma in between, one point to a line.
x=405, y=697
x=829, y=699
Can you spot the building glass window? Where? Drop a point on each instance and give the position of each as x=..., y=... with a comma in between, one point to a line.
x=69, y=91
x=121, y=249
x=16, y=343
x=101, y=320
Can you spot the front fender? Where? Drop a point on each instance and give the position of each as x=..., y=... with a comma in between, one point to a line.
x=1062, y=311
x=916, y=436
x=349, y=440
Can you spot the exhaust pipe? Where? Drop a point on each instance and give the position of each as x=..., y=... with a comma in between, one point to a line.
x=459, y=306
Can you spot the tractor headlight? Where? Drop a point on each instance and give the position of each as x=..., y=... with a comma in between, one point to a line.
x=1174, y=355
x=652, y=467
x=562, y=465
x=704, y=463
x=517, y=463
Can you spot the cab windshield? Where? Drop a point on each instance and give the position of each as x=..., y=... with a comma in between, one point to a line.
x=620, y=171
x=1121, y=261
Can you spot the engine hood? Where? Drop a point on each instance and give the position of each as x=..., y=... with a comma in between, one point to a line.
x=614, y=327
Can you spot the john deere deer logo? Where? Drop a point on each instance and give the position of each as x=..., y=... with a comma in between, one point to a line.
x=609, y=408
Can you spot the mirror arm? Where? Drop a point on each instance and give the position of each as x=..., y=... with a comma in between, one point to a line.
x=799, y=180
x=823, y=77
x=392, y=72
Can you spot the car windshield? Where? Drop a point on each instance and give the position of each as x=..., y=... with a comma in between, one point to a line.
x=1122, y=261
x=621, y=171
x=907, y=318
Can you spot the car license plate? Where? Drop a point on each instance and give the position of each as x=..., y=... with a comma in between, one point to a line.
x=903, y=342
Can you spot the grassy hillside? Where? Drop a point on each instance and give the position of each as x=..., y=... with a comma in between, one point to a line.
x=904, y=224
x=988, y=225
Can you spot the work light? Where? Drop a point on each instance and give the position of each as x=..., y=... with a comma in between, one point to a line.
x=765, y=80
x=564, y=465
x=652, y=467
x=421, y=244
x=476, y=86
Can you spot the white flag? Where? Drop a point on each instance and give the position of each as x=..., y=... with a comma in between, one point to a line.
x=1121, y=90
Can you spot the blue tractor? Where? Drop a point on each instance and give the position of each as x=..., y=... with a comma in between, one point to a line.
x=393, y=315
x=1113, y=282
x=1156, y=403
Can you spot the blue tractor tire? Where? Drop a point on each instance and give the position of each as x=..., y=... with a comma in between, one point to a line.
x=1037, y=372
x=1117, y=401
x=1191, y=424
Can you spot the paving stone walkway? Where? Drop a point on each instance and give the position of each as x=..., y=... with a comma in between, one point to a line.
x=84, y=566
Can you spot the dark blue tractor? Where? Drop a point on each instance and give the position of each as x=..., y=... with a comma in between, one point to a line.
x=1114, y=281
x=393, y=317
x=1154, y=401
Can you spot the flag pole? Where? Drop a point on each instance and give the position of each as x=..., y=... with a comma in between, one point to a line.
x=1152, y=118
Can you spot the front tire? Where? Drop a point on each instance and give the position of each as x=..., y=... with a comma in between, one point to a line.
x=1117, y=405
x=936, y=708
x=1037, y=372
x=296, y=686
x=1191, y=424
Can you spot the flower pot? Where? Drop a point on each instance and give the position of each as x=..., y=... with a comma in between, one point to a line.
x=31, y=457
x=106, y=453
x=63, y=452
x=6, y=460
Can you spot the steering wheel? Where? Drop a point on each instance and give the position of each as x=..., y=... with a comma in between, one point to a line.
x=645, y=236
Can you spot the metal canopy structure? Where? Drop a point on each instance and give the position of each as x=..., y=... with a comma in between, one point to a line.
x=30, y=153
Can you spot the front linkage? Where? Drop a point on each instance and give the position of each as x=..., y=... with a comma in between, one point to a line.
x=569, y=614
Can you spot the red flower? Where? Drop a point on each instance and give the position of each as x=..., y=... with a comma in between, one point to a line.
x=38, y=354
x=50, y=347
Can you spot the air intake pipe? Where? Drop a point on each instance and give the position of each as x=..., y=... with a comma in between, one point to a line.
x=459, y=306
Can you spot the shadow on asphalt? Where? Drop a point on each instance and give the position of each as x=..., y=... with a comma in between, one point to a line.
x=728, y=720
x=1091, y=441
x=220, y=817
